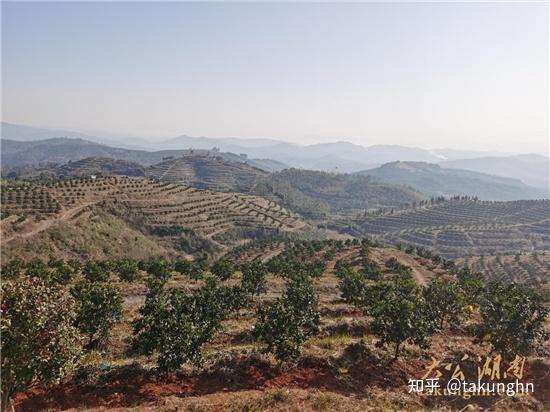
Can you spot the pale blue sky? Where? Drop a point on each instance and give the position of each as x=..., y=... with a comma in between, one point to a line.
x=470, y=75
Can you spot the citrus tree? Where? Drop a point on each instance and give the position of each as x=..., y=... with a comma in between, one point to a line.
x=353, y=286
x=513, y=318
x=127, y=269
x=286, y=324
x=99, y=307
x=254, y=277
x=445, y=302
x=95, y=271
x=398, y=313
x=40, y=344
x=12, y=269
x=176, y=323
x=223, y=269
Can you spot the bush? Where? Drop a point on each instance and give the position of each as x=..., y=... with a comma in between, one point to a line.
x=286, y=324
x=95, y=271
x=62, y=274
x=196, y=271
x=513, y=318
x=13, y=269
x=471, y=285
x=127, y=269
x=176, y=323
x=254, y=277
x=183, y=266
x=353, y=286
x=372, y=270
x=37, y=269
x=39, y=342
x=399, y=313
x=159, y=269
x=444, y=302
x=99, y=308
x=223, y=269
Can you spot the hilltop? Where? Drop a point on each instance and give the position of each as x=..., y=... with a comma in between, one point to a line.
x=207, y=171
x=99, y=166
x=435, y=180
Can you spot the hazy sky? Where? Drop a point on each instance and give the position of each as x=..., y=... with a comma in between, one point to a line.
x=462, y=75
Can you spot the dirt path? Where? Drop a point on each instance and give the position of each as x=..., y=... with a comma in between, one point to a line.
x=275, y=252
x=337, y=257
x=63, y=216
x=418, y=272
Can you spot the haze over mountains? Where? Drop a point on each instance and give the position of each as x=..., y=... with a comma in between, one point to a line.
x=436, y=180
x=527, y=175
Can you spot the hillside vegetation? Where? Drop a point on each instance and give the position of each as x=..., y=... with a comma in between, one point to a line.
x=176, y=216
x=532, y=268
x=462, y=227
x=99, y=166
x=207, y=172
x=434, y=180
x=320, y=324
x=321, y=195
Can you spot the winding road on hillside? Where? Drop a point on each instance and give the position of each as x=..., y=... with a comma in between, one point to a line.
x=39, y=227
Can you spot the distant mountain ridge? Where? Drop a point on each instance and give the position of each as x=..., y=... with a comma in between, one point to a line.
x=531, y=169
x=340, y=156
x=435, y=180
x=62, y=150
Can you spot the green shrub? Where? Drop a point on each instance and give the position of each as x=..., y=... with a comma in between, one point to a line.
x=39, y=342
x=95, y=271
x=176, y=323
x=127, y=269
x=286, y=324
x=99, y=307
x=12, y=269
x=399, y=313
x=254, y=277
x=513, y=318
x=444, y=302
x=223, y=269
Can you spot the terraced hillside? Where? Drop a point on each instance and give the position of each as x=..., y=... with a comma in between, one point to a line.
x=525, y=268
x=463, y=227
x=98, y=166
x=170, y=212
x=207, y=172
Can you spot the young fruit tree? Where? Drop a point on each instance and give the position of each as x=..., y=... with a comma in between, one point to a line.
x=99, y=307
x=445, y=302
x=513, y=318
x=176, y=323
x=40, y=344
x=286, y=324
x=254, y=277
x=223, y=269
x=399, y=313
